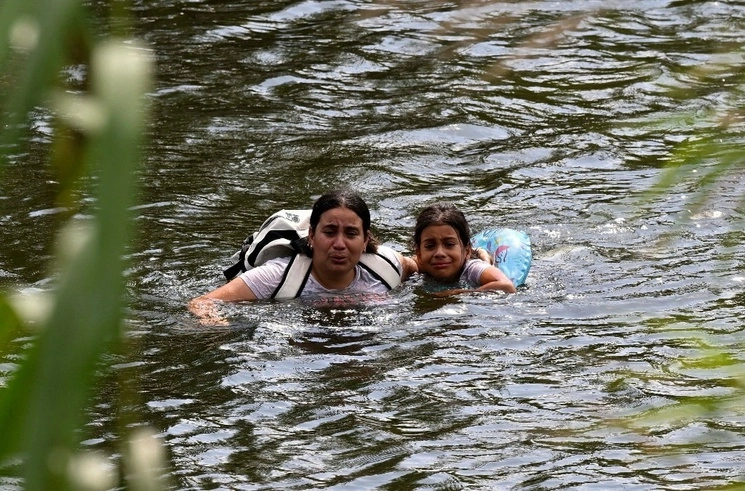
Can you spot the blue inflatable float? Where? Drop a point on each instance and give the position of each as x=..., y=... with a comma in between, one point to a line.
x=511, y=250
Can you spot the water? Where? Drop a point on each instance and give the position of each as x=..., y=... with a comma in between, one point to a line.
x=547, y=117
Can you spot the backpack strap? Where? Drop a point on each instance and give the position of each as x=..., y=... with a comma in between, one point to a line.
x=236, y=269
x=298, y=271
x=294, y=278
x=382, y=268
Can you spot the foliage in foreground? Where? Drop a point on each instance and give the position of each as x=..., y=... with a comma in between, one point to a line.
x=42, y=404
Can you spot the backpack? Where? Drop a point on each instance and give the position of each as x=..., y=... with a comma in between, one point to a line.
x=283, y=234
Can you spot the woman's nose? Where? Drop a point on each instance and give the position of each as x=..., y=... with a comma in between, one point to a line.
x=339, y=242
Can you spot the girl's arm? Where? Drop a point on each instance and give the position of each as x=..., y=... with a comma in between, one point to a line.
x=494, y=279
x=491, y=279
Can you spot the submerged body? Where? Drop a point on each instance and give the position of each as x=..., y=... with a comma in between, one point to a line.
x=264, y=281
x=338, y=235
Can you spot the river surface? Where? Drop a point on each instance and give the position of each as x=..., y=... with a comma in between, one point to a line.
x=551, y=117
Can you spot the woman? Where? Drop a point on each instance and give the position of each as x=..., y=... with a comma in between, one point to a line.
x=338, y=236
x=443, y=253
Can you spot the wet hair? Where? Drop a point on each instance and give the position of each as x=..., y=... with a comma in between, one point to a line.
x=342, y=198
x=443, y=214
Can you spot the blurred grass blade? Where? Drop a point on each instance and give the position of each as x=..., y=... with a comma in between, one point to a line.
x=44, y=402
x=9, y=324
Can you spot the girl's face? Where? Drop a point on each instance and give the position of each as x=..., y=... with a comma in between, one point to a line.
x=338, y=242
x=441, y=254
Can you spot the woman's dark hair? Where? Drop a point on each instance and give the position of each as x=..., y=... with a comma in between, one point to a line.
x=342, y=198
x=443, y=214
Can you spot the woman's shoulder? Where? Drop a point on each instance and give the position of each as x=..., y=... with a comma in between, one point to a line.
x=267, y=271
x=386, y=251
x=263, y=280
x=388, y=254
x=387, y=264
x=272, y=264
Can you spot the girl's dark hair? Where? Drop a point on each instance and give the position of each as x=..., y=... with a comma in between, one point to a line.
x=347, y=199
x=443, y=214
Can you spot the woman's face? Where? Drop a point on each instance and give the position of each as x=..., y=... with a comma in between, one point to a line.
x=440, y=253
x=338, y=242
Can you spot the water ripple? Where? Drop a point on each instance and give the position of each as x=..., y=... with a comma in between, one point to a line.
x=550, y=117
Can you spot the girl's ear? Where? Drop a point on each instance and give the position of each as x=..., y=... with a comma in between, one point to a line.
x=469, y=252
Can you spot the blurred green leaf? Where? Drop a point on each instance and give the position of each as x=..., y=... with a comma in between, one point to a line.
x=10, y=324
x=42, y=405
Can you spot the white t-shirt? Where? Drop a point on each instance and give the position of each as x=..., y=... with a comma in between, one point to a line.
x=264, y=279
x=472, y=271
x=470, y=277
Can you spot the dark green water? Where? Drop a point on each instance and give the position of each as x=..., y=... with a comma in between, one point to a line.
x=548, y=117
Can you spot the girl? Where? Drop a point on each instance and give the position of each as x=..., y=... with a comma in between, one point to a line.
x=443, y=252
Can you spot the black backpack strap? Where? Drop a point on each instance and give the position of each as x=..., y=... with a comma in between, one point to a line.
x=382, y=268
x=233, y=271
x=294, y=278
x=240, y=260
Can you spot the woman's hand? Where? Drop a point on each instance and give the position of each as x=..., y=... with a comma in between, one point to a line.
x=208, y=312
x=206, y=306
